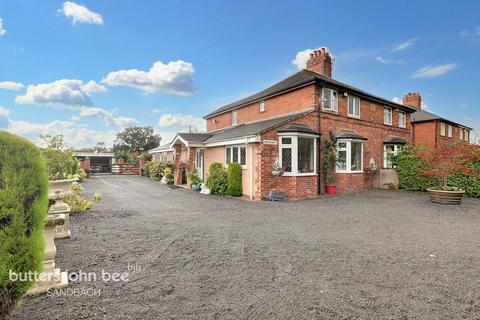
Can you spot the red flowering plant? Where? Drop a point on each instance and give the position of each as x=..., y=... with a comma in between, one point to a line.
x=446, y=162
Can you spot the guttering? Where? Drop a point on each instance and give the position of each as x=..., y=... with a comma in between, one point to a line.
x=230, y=142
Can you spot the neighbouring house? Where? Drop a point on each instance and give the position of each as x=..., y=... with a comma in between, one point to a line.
x=432, y=131
x=287, y=124
x=96, y=162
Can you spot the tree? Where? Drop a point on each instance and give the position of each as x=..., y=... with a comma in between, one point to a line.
x=54, y=142
x=23, y=208
x=137, y=139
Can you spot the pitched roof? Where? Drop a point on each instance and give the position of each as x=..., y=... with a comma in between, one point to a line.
x=163, y=147
x=194, y=136
x=297, y=127
x=299, y=79
x=348, y=134
x=254, y=128
x=394, y=140
x=424, y=116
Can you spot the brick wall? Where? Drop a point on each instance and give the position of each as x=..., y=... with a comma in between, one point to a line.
x=276, y=106
x=427, y=135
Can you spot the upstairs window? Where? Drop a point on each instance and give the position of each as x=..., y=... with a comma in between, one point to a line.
x=442, y=129
x=387, y=115
x=236, y=154
x=461, y=134
x=330, y=100
x=262, y=106
x=353, y=106
x=449, y=131
x=402, y=119
x=234, y=118
x=467, y=135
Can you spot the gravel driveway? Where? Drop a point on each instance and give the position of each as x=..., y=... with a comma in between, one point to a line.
x=369, y=255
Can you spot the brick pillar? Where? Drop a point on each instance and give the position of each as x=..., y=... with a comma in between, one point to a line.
x=141, y=164
x=191, y=154
x=177, y=175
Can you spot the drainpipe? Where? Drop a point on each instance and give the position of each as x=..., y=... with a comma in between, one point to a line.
x=252, y=167
x=317, y=103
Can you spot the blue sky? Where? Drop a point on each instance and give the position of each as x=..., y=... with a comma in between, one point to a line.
x=86, y=69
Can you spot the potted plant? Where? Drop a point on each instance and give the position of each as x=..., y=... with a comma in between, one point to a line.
x=328, y=165
x=195, y=182
x=445, y=163
x=168, y=174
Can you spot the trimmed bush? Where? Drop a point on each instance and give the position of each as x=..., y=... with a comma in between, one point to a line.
x=147, y=169
x=217, y=179
x=194, y=178
x=23, y=208
x=156, y=171
x=234, y=179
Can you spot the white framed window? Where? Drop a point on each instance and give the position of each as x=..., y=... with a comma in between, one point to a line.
x=442, y=129
x=330, y=100
x=402, y=119
x=236, y=154
x=388, y=150
x=349, y=156
x=298, y=154
x=450, y=131
x=387, y=115
x=353, y=106
x=467, y=135
x=234, y=117
x=261, y=106
x=461, y=134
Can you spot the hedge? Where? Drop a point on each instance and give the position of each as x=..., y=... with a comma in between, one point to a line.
x=234, y=179
x=217, y=179
x=23, y=208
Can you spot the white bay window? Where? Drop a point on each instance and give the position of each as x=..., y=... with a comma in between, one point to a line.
x=298, y=154
x=349, y=156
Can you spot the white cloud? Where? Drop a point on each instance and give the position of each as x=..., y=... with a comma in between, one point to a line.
x=176, y=77
x=93, y=87
x=10, y=85
x=65, y=92
x=107, y=116
x=397, y=100
x=182, y=121
x=431, y=72
x=473, y=35
x=388, y=61
x=80, y=14
x=4, y=111
x=75, y=134
x=2, y=30
x=404, y=45
x=302, y=57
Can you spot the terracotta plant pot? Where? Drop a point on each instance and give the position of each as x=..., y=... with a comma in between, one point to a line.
x=330, y=189
x=446, y=197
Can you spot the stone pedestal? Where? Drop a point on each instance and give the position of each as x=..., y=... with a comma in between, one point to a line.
x=62, y=231
x=51, y=277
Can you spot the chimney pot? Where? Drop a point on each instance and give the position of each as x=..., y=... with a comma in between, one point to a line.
x=413, y=99
x=321, y=62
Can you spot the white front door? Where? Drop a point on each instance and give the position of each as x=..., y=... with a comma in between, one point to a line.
x=199, y=163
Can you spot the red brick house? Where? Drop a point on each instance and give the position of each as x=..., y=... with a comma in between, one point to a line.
x=287, y=124
x=432, y=131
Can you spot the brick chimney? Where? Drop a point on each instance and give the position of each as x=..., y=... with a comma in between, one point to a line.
x=321, y=62
x=413, y=99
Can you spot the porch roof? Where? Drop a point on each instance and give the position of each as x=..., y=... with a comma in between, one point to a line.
x=348, y=134
x=394, y=140
x=254, y=128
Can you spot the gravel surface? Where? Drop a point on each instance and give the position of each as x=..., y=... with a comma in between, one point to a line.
x=369, y=255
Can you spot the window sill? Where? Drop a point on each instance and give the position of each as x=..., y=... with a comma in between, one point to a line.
x=388, y=124
x=330, y=111
x=349, y=172
x=289, y=174
x=354, y=117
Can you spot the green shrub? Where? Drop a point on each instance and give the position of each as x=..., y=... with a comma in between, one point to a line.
x=234, y=179
x=156, y=171
x=217, y=179
x=410, y=170
x=147, y=169
x=23, y=208
x=81, y=175
x=60, y=164
x=98, y=196
x=194, y=178
x=168, y=172
x=76, y=202
x=465, y=182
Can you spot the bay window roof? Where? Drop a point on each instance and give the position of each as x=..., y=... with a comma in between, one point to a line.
x=348, y=134
x=297, y=127
x=394, y=140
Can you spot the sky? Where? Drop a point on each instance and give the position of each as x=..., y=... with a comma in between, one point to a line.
x=88, y=69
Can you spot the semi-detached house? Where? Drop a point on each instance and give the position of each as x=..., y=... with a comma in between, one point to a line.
x=288, y=124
